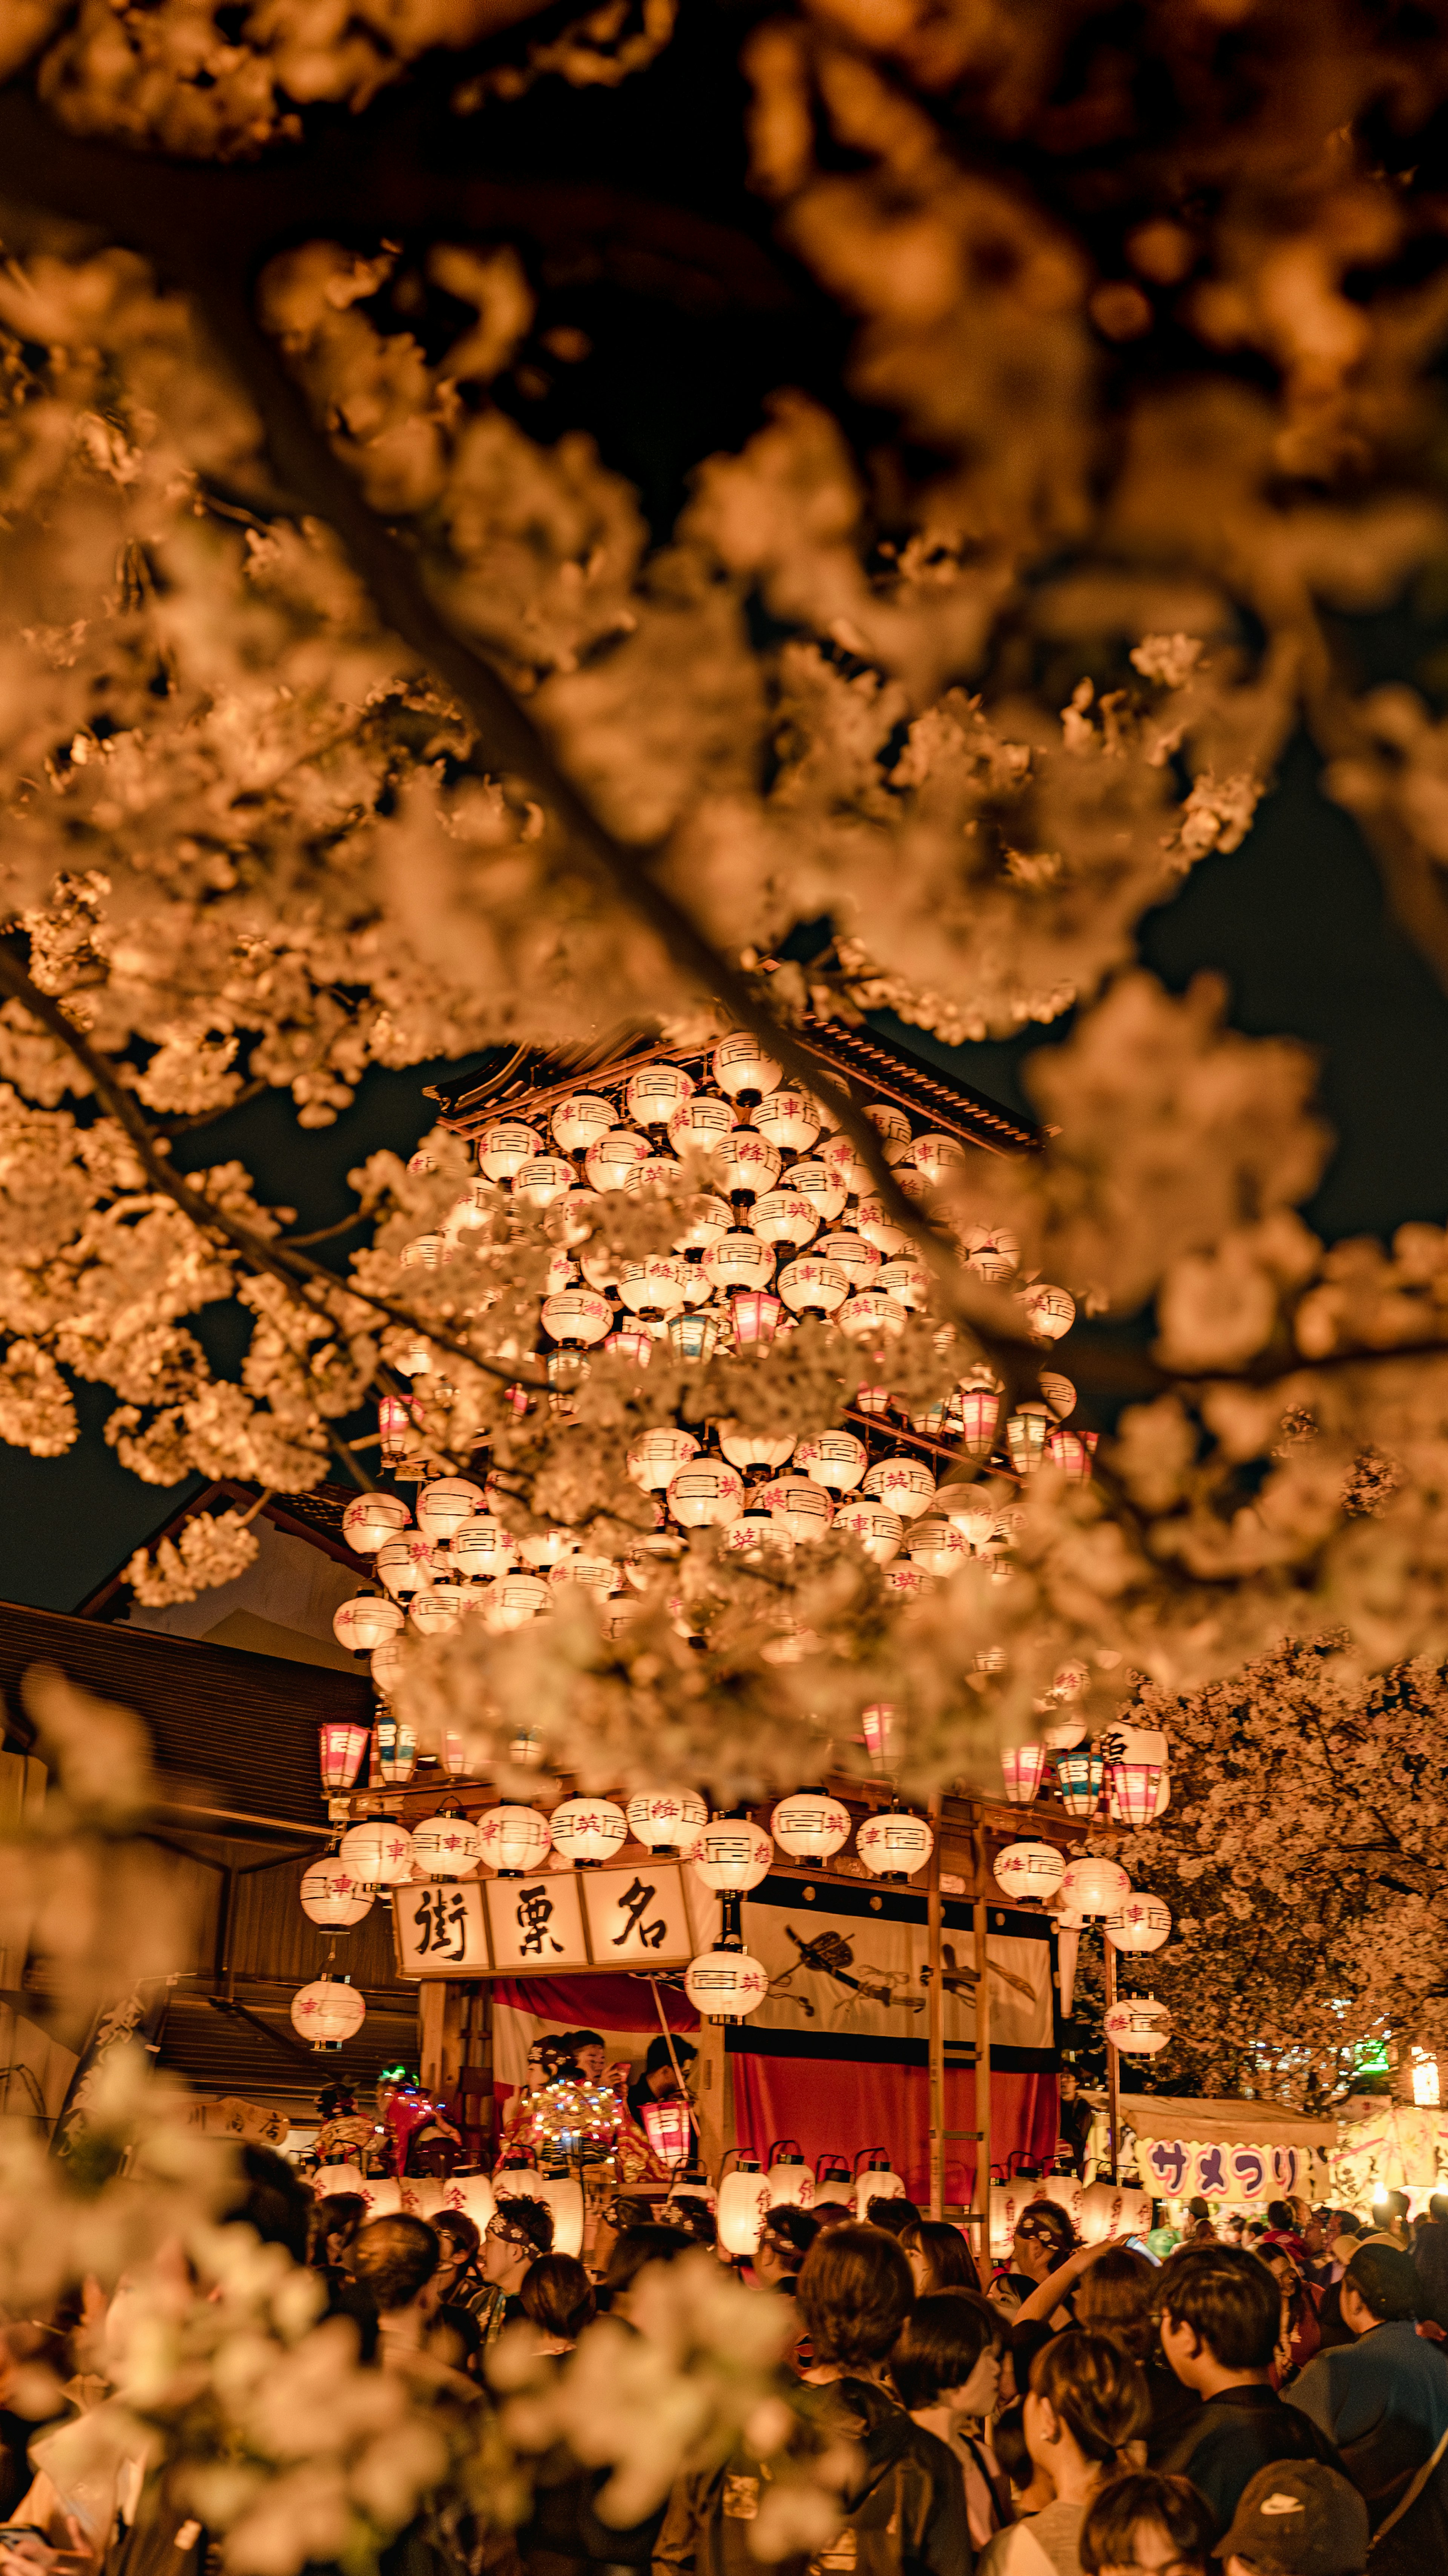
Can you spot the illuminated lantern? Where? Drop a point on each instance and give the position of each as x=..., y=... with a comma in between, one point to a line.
x=939, y=1421
x=742, y=2208
x=879, y=2181
x=473, y=2195
x=577, y=1317
x=908, y=1282
x=1049, y=1311
x=403, y=1564
x=1029, y=1869
x=1071, y=1451
x=413, y=1360
x=578, y=1121
x=833, y=1458
x=895, y=1844
x=801, y=1507
x=706, y=1495
x=742, y=1069
x=1113, y=2209
x=425, y=1252
x=878, y=1531
x=596, y=1574
x=991, y=1252
x=333, y=1897
x=1026, y=1437
x=790, y=1119
x=362, y=1623
x=730, y=1855
x=1137, y=2026
x=666, y=1819
x=934, y=1155
x=655, y=1172
x=669, y=2131
x=789, y=2178
x=442, y=1507
x=893, y=1128
x=906, y=1581
x=513, y=1840
x=785, y=1216
x=378, y=1852
x=708, y=1218
x=810, y=1826
x=737, y=1260
x=1134, y=1788
x=822, y=1187
x=970, y=1511
x=548, y=1547
x=435, y=1609
x=851, y=1253
x=755, y=1530
x=842, y=1157
x=341, y=1744
x=546, y=1178
x=726, y=1985
x=813, y=1287
x=1059, y=1393
x=1094, y=1887
x=611, y=1158
x=654, y=1459
x=396, y=1755
x=588, y=1830
x=516, y=1598
x=481, y=1546
x=935, y=1546
x=656, y=1093
x=697, y=1126
x=879, y=1229
x=1079, y=1779
x=335, y=2178
x=503, y=1150
x=749, y=1163
x=832, y=2180
x=872, y=1317
x=980, y=1413
x=446, y=1846
x=1022, y=1767
x=694, y=1337
x=655, y=1286
x=1124, y=1746
x=903, y=1484
x=746, y=1449
x=880, y=1731
x=756, y=1317
x=371, y=1519
x=1142, y=1924
x=327, y=2012
x=633, y=1343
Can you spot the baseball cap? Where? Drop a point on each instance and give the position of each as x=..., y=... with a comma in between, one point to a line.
x=1296, y=2518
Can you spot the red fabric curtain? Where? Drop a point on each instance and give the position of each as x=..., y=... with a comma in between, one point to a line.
x=830, y=2103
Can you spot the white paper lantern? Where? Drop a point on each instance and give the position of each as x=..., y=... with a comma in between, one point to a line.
x=588, y=1830
x=823, y=1188
x=403, y=1564
x=908, y=1282
x=1029, y=1869
x=1113, y=2209
x=327, y=2012
x=801, y=1507
x=726, y=1985
x=655, y=1172
x=894, y=1844
x=835, y=1459
x=378, y=1852
x=730, y=1854
x=791, y=2184
x=446, y=1846
x=785, y=1216
x=810, y=1826
x=843, y=1158
x=879, y=1229
x=434, y=1609
x=654, y=1094
x=373, y=1518
x=810, y=1286
x=579, y=1120
x=481, y=1546
x=746, y=1449
x=708, y=1217
x=1049, y=1311
x=851, y=1253
x=1095, y=1887
x=747, y=1162
x=655, y=1286
x=362, y=1623
x=833, y=2180
x=790, y=1119
x=697, y=1127
x=1026, y=1437
x=935, y=1545
x=331, y=1895
x=547, y=1178
x=654, y=1459
x=738, y=1261
x=879, y=2181
x=991, y=1251
x=610, y=1158
x=331, y=2180
x=666, y=1819
x=595, y=1574
x=562, y=2193
x=503, y=1150
x=1138, y=2026
x=936, y=1155
x=443, y=1506
x=576, y=1317
x=513, y=1840
x=742, y=2206
x=706, y=1495
x=878, y=1531
x=1142, y=1924
x=903, y=1484
x=892, y=1127
x=742, y=1069
x=514, y=1600
x=756, y=1530
x=1137, y=1751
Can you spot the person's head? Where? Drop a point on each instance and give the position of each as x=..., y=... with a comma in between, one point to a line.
x=1203, y=2232
x=1256, y=2229
x=272, y=2200
x=1297, y=2518
x=632, y=2254
x=519, y=2230
x=587, y=2047
x=1116, y=2297
x=938, y=2256
x=1086, y=2401
x=1068, y=2084
x=1390, y=2211
x=1233, y=2230
x=1314, y=2236
x=1008, y=2441
x=1043, y=2239
x=784, y=2240
x=855, y=2293
x=1197, y=2207
x=338, y=2218
x=557, y=2297
x=1145, y=2521
x=949, y=2354
x=1284, y=2272
x=691, y=2211
x=1280, y=2219
x=893, y=2215
x=459, y=2245
x=395, y=2259
x=1379, y=2287
x=659, y=2073
x=1221, y=2311
x=1438, y=2208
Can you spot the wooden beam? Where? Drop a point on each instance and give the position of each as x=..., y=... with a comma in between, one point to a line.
x=981, y=2195
x=934, y=1921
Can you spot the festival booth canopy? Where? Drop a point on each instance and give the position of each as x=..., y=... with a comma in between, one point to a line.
x=1393, y=2146
x=1245, y=2151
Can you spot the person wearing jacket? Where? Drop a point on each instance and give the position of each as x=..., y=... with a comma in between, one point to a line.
x=903, y=2510
x=1383, y=2398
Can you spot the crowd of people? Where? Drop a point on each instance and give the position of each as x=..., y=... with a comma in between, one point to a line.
x=1269, y=2407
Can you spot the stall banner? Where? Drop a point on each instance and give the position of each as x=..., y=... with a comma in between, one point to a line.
x=847, y=1964
x=1178, y=2169
x=1400, y=2146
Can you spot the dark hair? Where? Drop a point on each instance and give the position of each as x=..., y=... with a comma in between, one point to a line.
x=640, y=2246
x=1430, y=2262
x=1280, y=2218
x=893, y=2215
x=1385, y=2280
x=1108, y=2534
x=272, y=2199
x=1008, y=2441
x=663, y=2052
x=1116, y=2298
x=1438, y=2208
x=1394, y=2201
x=340, y=2214
x=466, y=2329
x=690, y=2211
x=1097, y=2390
x=531, y=2216
x=1058, y=2223
x=460, y=2231
x=1229, y=2299
x=946, y=2252
x=557, y=2296
x=940, y=2343
x=585, y=2039
x=791, y=2231
x=394, y=2258
x=855, y=2293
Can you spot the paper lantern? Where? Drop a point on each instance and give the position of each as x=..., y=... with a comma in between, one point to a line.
x=1064, y=2192
x=936, y=1155
x=833, y=2180
x=331, y=2180
x=748, y=1163
x=588, y=1830
x=610, y=1158
x=851, y=1253
x=362, y=1623
x=333, y=1897
x=892, y=1127
x=1113, y=2209
x=579, y=1120
x=378, y=1852
x=935, y=1545
x=696, y=1127
x=742, y=1069
x=655, y=1286
x=562, y=2192
x=755, y=1316
x=666, y=1819
x=894, y=1845
x=742, y=2208
x=810, y=1826
x=835, y=1459
x=513, y=1840
x=880, y=1731
x=1073, y=1453
x=879, y=2181
x=371, y=1519
x=737, y=1260
x=443, y=1506
x=654, y=1094
x=788, y=2176
x=1050, y=1312
x=434, y=1609
x=746, y=1449
x=473, y=2195
x=706, y=1495
x=327, y=2012
x=1123, y=1745
x=546, y=1178
x=1142, y=1924
x=655, y=1458
x=903, y=1484
x=1133, y=1788
x=1029, y=1869
x=980, y=1413
x=726, y=1985
x=1009, y=2202
x=878, y=1531
x=341, y=1743
x=1094, y=1887
x=790, y=1119
x=730, y=1855
x=595, y=1574
x=577, y=1317
x=396, y=1755
x=802, y=1508
x=515, y=1599
x=1026, y=1437
x=991, y=1251
x=879, y=1229
x=503, y=1150
x=1022, y=1769
x=669, y=2131
x=1079, y=1780
x=694, y=1337
x=446, y=1846
x=1138, y=2026
x=404, y=1564
x=842, y=1158
x=481, y=1545
x=811, y=1286
x=908, y=1282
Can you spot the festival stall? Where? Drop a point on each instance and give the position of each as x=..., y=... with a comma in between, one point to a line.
x=1241, y=2153
x=1389, y=2146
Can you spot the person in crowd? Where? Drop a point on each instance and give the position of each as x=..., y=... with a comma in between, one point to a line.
x=1301, y=2333
x=784, y=2240
x=691, y=2211
x=1233, y=2229
x=1297, y=2518
x=1143, y=2524
x=1383, y=2398
x=893, y=2215
x=396, y=2261
x=460, y=2282
x=455, y=2338
x=946, y=2369
x=1390, y=2218
x=938, y=2256
x=1044, y=2240
x=557, y=2298
x=1087, y=2400
x=519, y=2230
x=1030, y=2487
x=1430, y=2262
x=1221, y=2313
x=1117, y=2296
x=658, y=2081
x=903, y=2503
x=334, y=2230
x=587, y=2049
x=1074, y=2120
x=632, y=2253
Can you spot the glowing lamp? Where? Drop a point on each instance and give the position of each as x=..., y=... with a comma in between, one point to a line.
x=1113, y=2209
x=835, y=1459
x=327, y=2012
x=746, y=1449
x=936, y=1155
x=696, y=1127
x=434, y=1609
x=515, y=1599
x=706, y=1495
x=879, y=1229
x=892, y=1127
x=1079, y=1779
x=879, y=2181
x=513, y=1840
x=1095, y=1887
x=880, y=1731
x=1029, y=1869
x=503, y=1150
x=788, y=2176
x=595, y=1574
x=694, y=1337
x=738, y=1260
x=832, y=2180
x=481, y=1546
x=1073, y=1453
x=669, y=2131
x=790, y=1119
x=656, y=1092
x=341, y=1744
x=1022, y=1768
x=446, y=1846
x=810, y=1826
x=750, y=1164
x=878, y=1531
x=756, y=1315
x=396, y=1754
x=894, y=1845
x=362, y=1623
x=666, y=1819
x=654, y=1459
x=1142, y=1924
x=443, y=1506
x=726, y=1985
x=332, y=1897
x=742, y=2208
x=822, y=1187
x=371, y=1519
x=730, y=1855
x=1050, y=1312
x=563, y=2194
x=991, y=1252
x=935, y=1545
x=546, y=1178
x=378, y=1852
x=850, y=1252
x=980, y=1412
x=842, y=1158
x=908, y=1282
x=903, y=1484
x=1026, y=1437
x=579, y=1120
x=403, y=1565
x=588, y=1830
x=576, y=1317
x=811, y=1286
x=741, y=1068
x=611, y=1157
x=1138, y=2026
x=802, y=1508
x=1134, y=1789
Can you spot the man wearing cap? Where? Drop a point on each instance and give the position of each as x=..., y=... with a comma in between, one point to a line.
x=1297, y=2518
x=1383, y=2398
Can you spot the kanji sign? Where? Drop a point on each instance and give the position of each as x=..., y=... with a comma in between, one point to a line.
x=440, y=1929
x=637, y=1916
x=536, y=1923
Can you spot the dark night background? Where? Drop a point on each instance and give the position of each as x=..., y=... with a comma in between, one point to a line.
x=689, y=332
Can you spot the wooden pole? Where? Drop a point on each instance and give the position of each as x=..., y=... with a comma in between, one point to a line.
x=934, y=1919
x=1113, y=2067
x=981, y=2197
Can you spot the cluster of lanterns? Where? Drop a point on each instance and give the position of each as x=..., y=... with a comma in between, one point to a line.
x=1098, y=2212
x=747, y=2194
x=1098, y=1890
